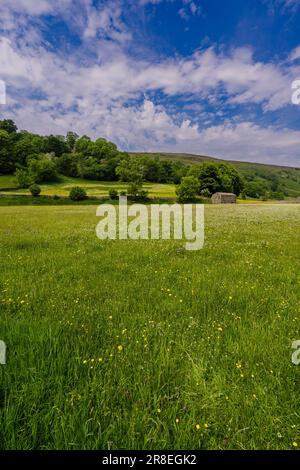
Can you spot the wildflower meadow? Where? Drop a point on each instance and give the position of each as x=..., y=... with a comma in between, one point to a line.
x=140, y=344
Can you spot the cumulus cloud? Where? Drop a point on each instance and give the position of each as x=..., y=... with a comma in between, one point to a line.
x=243, y=79
x=110, y=96
x=103, y=20
x=106, y=22
x=147, y=127
x=31, y=7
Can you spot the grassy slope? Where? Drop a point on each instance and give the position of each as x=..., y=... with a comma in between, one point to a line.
x=288, y=177
x=7, y=181
x=206, y=336
x=93, y=188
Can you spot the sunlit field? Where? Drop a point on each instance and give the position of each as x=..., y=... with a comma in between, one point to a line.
x=93, y=188
x=144, y=345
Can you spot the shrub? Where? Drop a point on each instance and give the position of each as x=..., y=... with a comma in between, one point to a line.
x=205, y=193
x=134, y=188
x=42, y=170
x=113, y=193
x=277, y=195
x=35, y=190
x=142, y=195
x=77, y=194
x=188, y=189
x=23, y=179
x=136, y=192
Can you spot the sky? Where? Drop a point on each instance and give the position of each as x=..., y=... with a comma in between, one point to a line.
x=209, y=77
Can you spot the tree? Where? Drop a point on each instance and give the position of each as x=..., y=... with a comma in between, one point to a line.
x=42, y=170
x=215, y=177
x=131, y=169
x=274, y=182
x=179, y=170
x=55, y=144
x=89, y=168
x=256, y=189
x=23, y=178
x=188, y=189
x=165, y=171
x=108, y=167
x=102, y=149
x=84, y=145
x=7, y=164
x=8, y=125
x=71, y=139
x=210, y=178
x=27, y=144
x=230, y=179
x=67, y=164
x=238, y=182
x=151, y=168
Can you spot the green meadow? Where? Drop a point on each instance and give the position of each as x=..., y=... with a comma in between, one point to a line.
x=144, y=345
x=8, y=186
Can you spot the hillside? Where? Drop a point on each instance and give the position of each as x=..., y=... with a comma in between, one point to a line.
x=288, y=177
x=8, y=186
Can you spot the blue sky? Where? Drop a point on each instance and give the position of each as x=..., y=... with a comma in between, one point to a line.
x=198, y=76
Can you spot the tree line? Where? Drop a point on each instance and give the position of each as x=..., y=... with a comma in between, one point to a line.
x=36, y=159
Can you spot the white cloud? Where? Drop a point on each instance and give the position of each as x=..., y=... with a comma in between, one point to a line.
x=145, y=2
x=295, y=54
x=283, y=5
x=30, y=7
x=103, y=21
x=101, y=98
x=202, y=74
x=183, y=14
x=294, y=4
x=150, y=128
x=189, y=8
x=106, y=22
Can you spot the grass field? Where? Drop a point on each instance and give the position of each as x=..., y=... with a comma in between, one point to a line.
x=141, y=344
x=93, y=188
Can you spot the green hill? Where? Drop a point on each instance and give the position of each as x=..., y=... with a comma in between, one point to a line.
x=288, y=177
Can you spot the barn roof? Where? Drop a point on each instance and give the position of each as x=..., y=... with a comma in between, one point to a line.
x=224, y=194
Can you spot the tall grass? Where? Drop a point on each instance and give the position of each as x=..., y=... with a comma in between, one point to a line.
x=141, y=344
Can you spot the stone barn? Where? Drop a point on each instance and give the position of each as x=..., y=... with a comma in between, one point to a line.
x=223, y=198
